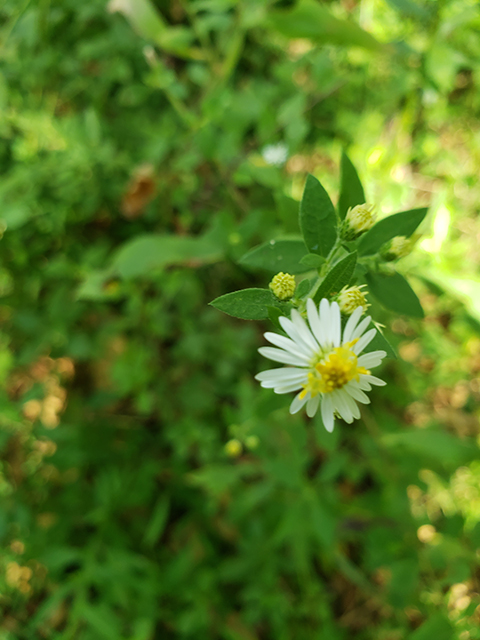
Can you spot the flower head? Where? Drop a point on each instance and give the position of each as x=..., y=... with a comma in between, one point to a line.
x=283, y=286
x=350, y=298
x=326, y=366
x=358, y=220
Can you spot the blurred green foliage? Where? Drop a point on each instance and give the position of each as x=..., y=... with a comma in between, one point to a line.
x=144, y=147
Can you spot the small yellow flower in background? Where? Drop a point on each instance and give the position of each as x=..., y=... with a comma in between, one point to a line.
x=359, y=219
x=233, y=448
x=17, y=577
x=283, y=286
x=398, y=247
x=350, y=298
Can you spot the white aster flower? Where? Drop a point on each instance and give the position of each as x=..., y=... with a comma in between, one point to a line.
x=325, y=366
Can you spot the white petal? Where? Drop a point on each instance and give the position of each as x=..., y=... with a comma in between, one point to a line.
x=289, y=327
x=373, y=380
x=324, y=313
x=293, y=386
x=361, y=328
x=351, y=324
x=315, y=324
x=352, y=405
x=298, y=402
x=288, y=345
x=364, y=341
x=304, y=331
x=277, y=355
x=372, y=359
x=363, y=384
x=312, y=406
x=327, y=412
x=284, y=374
x=353, y=388
x=336, y=324
x=341, y=405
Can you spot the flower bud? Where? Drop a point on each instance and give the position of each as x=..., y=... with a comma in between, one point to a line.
x=398, y=247
x=350, y=298
x=283, y=286
x=233, y=448
x=358, y=220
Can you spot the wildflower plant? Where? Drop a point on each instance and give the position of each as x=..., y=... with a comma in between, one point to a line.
x=319, y=297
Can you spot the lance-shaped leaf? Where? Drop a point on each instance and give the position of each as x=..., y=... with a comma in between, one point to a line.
x=318, y=220
x=144, y=254
x=309, y=19
x=249, y=304
x=394, y=293
x=338, y=277
x=399, y=224
x=351, y=190
x=277, y=255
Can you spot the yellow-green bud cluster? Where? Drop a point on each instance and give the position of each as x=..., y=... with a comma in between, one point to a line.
x=283, y=286
x=358, y=220
x=398, y=247
x=350, y=298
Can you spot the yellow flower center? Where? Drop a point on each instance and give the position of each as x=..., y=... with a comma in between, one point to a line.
x=334, y=371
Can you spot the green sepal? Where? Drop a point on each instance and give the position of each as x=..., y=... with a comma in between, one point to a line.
x=318, y=220
x=394, y=293
x=399, y=224
x=351, y=190
x=338, y=277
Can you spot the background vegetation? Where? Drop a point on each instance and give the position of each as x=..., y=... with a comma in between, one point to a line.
x=144, y=147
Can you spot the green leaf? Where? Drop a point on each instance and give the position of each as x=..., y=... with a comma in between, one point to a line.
x=274, y=314
x=303, y=287
x=312, y=261
x=394, y=293
x=309, y=19
x=380, y=342
x=351, y=190
x=140, y=256
x=338, y=277
x=95, y=286
x=434, y=446
x=157, y=522
x=318, y=221
x=277, y=255
x=398, y=224
x=404, y=581
x=248, y=304
x=437, y=627
x=146, y=20
x=409, y=8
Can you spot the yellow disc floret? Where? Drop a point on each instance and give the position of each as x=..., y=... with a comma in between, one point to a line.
x=359, y=219
x=333, y=372
x=283, y=286
x=350, y=298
